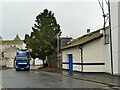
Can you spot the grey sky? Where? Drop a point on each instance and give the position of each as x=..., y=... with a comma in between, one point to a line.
x=73, y=17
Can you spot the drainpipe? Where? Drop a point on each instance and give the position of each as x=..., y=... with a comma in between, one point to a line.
x=110, y=37
x=81, y=58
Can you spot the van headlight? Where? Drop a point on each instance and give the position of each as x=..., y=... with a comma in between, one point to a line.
x=16, y=66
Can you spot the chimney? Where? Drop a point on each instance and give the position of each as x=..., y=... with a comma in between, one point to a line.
x=88, y=31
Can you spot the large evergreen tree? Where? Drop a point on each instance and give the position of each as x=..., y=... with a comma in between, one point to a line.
x=43, y=39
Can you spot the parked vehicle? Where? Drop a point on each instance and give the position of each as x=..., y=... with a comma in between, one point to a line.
x=22, y=60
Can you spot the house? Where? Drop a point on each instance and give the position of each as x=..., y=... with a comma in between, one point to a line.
x=10, y=54
x=88, y=53
x=8, y=51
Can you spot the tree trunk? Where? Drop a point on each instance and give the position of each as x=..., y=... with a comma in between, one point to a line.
x=43, y=64
x=48, y=60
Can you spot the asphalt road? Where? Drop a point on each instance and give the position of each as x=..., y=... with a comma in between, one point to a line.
x=41, y=79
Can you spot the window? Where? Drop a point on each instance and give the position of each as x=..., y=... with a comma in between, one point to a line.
x=64, y=43
x=2, y=54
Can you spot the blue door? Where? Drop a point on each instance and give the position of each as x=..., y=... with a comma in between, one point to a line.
x=70, y=62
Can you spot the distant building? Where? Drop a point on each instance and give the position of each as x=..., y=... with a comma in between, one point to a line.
x=8, y=50
x=17, y=42
x=62, y=43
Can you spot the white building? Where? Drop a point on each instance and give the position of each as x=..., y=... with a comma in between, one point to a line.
x=8, y=51
x=115, y=27
x=98, y=51
x=89, y=53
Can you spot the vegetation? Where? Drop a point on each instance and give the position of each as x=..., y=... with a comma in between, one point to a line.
x=43, y=39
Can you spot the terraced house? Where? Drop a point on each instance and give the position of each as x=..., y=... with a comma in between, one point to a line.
x=88, y=53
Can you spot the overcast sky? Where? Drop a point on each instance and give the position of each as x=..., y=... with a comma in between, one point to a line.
x=74, y=18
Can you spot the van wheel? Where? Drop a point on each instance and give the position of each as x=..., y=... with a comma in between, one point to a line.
x=17, y=70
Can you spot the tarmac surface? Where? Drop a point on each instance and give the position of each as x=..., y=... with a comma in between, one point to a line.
x=42, y=79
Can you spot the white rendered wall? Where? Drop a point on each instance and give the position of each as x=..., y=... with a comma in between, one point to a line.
x=114, y=27
x=94, y=53
x=76, y=52
x=119, y=37
x=107, y=54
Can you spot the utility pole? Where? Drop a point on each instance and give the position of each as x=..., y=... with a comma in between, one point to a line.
x=58, y=51
x=110, y=37
x=106, y=17
x=58, y=48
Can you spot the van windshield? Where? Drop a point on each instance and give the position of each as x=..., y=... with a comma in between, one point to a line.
x=21, y=58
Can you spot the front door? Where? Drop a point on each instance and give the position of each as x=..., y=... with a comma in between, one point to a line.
x=70, y=62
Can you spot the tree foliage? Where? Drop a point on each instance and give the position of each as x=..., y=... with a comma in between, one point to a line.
x=43, y=39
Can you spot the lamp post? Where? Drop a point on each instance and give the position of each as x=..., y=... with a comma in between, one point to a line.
x=58, y=48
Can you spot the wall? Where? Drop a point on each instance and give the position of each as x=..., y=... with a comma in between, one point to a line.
x=10, y=53
x=119, y=38
x=115, y=34
x=3, y=62
x=76, y=58
x=10, y=63
x=93, y=52
x=18, y=44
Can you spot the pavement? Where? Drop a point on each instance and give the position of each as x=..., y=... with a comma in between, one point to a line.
x=101, y=78
x=32, y=67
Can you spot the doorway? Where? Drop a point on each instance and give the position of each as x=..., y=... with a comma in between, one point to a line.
x=70, y=57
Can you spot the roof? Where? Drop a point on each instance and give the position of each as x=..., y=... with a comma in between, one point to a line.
x=10, y=41
x=11, y=47
x=84, y=39
x=17, y=37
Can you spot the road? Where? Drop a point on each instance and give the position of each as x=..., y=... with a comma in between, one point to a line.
x=41, y=79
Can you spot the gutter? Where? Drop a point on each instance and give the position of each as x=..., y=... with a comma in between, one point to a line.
x=81, y=58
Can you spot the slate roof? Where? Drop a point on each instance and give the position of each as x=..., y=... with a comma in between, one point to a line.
x=17, y=37
x=84, y=39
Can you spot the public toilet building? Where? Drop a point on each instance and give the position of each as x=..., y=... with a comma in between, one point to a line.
x=88, y=53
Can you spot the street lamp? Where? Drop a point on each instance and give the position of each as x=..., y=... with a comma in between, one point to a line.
x=58, y=48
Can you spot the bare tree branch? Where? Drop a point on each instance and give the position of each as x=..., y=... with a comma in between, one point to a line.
x=106, y=2
x=101, y=7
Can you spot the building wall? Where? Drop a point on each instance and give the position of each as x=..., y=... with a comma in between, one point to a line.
x=10, y=53
x=92, y=53
x=106, y=50
x=107, y=58
x=115, y=35
x=119, y=38
x=18, y=44
x=3, y=62
x=76, y=52
x=10, y=63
